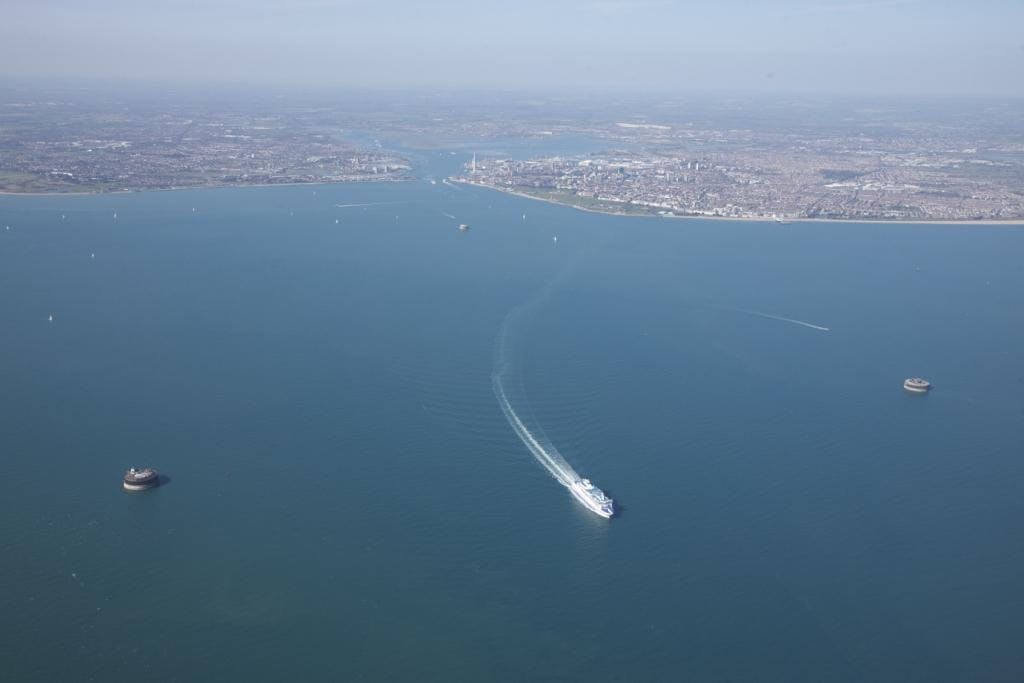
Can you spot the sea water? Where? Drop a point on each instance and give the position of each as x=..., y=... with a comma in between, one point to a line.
x=345, y=499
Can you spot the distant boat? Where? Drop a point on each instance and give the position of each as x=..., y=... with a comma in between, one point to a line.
x=193, y=209
x=555, y=239
x=780, y=220
x=92, y=255
x=115, y=215
x=335, y=221
x=51, y=317
x=524, y=216
x=463, y=227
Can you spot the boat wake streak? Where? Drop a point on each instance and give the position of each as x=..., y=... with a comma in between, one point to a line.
x=785, y=320
x=501, y=379
x=349, y=206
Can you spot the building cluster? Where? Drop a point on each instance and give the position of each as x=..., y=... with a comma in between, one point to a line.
x=760, y=183
x=878, y=164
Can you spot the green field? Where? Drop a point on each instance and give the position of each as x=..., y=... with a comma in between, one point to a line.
x=29, y=183
x=587, y=203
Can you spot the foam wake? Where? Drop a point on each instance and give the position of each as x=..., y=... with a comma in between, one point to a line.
x=785, y=320
x=349, y=206
x=505, y=380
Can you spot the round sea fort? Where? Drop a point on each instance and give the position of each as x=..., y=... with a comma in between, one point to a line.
x=917, y=385
x=140, y=479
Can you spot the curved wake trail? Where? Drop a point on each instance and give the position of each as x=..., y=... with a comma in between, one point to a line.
x=786, y=320
x=504, y=370
x=548, y=457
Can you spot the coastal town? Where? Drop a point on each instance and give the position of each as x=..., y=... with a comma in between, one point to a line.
x=752, y=174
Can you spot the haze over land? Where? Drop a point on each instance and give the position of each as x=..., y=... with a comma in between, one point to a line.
x=873, y=46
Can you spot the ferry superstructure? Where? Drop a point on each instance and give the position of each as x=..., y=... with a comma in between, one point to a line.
x=593, y=498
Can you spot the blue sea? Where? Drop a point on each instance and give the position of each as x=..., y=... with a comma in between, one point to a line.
x=311, y=368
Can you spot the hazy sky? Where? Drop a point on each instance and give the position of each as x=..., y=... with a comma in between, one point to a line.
x=880, y=46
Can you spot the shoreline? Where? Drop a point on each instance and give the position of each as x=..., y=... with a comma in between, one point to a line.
x=1010, y=222
x=100, y=193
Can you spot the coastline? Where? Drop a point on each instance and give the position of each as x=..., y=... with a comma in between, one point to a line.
x=1013, y=222
x=176, y=188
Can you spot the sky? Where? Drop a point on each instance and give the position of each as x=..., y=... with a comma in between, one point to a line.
x=916, y=47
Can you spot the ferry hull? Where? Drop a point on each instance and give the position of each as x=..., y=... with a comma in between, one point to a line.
x=588, y=502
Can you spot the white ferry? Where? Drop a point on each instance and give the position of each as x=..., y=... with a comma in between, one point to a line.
x=592, y=497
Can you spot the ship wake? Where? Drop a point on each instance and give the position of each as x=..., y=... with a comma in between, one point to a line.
x=794, y=321
x=506, y=381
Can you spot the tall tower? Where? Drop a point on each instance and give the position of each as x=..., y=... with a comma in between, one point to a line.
x=474, y=162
